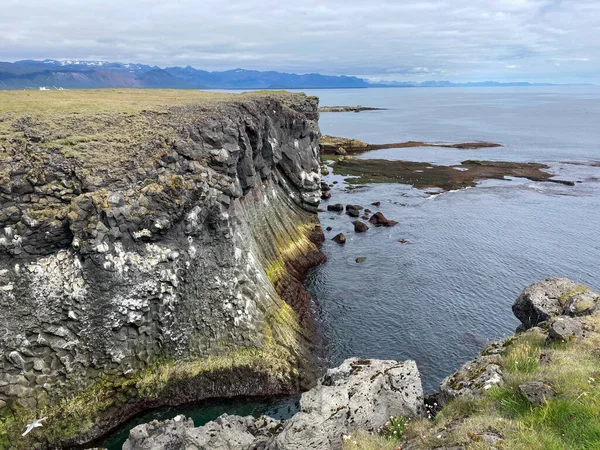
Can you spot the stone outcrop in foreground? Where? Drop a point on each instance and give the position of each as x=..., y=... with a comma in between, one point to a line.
x=152, y=256
x=358, y=395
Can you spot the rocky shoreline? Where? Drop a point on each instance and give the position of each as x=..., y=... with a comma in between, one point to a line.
x=355, y=109
x=361, y=396
x=426, y=175
x=335, y=145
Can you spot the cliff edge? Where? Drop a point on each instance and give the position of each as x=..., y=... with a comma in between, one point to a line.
x=152, y=250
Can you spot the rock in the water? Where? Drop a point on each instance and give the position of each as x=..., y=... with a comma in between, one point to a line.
x=546, y=299
x=359, y=226
x=325, y=195
x=403, y=241
x=361, y=259
x=339, y=238
x=353, y=212
x=376, y=204
x=378, y=219
x=564, y=329
x=358, y=395
x=536, y=392
x=473, y=378
x=357, y=207
x=329, y=228
x=338, y=207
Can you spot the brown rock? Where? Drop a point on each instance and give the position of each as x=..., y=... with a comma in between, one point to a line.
x=338, y=207
x=357, y=207
x=360, y=227
x=339, y=238
x=378, y=219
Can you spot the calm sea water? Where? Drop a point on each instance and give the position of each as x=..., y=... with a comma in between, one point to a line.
x=440, y=298
x=443, y=296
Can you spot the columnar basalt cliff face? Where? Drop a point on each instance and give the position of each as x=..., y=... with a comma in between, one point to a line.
x=159, y=266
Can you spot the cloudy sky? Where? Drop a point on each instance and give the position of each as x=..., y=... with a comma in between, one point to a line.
x=458, y=40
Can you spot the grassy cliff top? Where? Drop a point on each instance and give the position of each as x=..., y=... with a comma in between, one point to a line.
x=99, y=127
x=98, y=101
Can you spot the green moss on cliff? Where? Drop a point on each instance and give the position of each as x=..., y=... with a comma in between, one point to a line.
x=77, y=415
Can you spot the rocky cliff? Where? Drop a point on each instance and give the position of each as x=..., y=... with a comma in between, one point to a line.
x=152, y=249
x=536, y=390
x=357, y=395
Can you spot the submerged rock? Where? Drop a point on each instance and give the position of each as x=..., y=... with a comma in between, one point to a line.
x=359, y=395
x=361, y=259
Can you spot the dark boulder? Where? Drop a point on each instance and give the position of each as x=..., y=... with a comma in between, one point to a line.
x=338, y=207
x=378, y=219
x=376, y=204
x=357, y=207
x=329, y=228
x=339, y=238
x=360, y=227
x=553, y=297
x=353, y=212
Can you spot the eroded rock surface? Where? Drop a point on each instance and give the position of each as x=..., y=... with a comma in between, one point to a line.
x=358, y=395
x=473, y=378
x=116, y=278
x=553, y=297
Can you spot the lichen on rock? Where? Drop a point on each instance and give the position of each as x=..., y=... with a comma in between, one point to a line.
x=135, y=279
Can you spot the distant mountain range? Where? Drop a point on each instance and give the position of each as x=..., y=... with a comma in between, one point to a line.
x=29, y=74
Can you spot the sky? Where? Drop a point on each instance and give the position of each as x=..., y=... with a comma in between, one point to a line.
x=458, y=40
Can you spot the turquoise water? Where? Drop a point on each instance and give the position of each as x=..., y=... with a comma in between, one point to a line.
x=279, y=408
x=442, y=296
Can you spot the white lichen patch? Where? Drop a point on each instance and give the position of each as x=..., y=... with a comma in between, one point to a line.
x=56, y=276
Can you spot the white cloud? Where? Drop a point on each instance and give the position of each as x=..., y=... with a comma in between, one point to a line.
x=463, y=39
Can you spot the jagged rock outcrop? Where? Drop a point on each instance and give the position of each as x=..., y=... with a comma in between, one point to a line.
x=358, y=395
x=170, y=274
x=473, y=378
